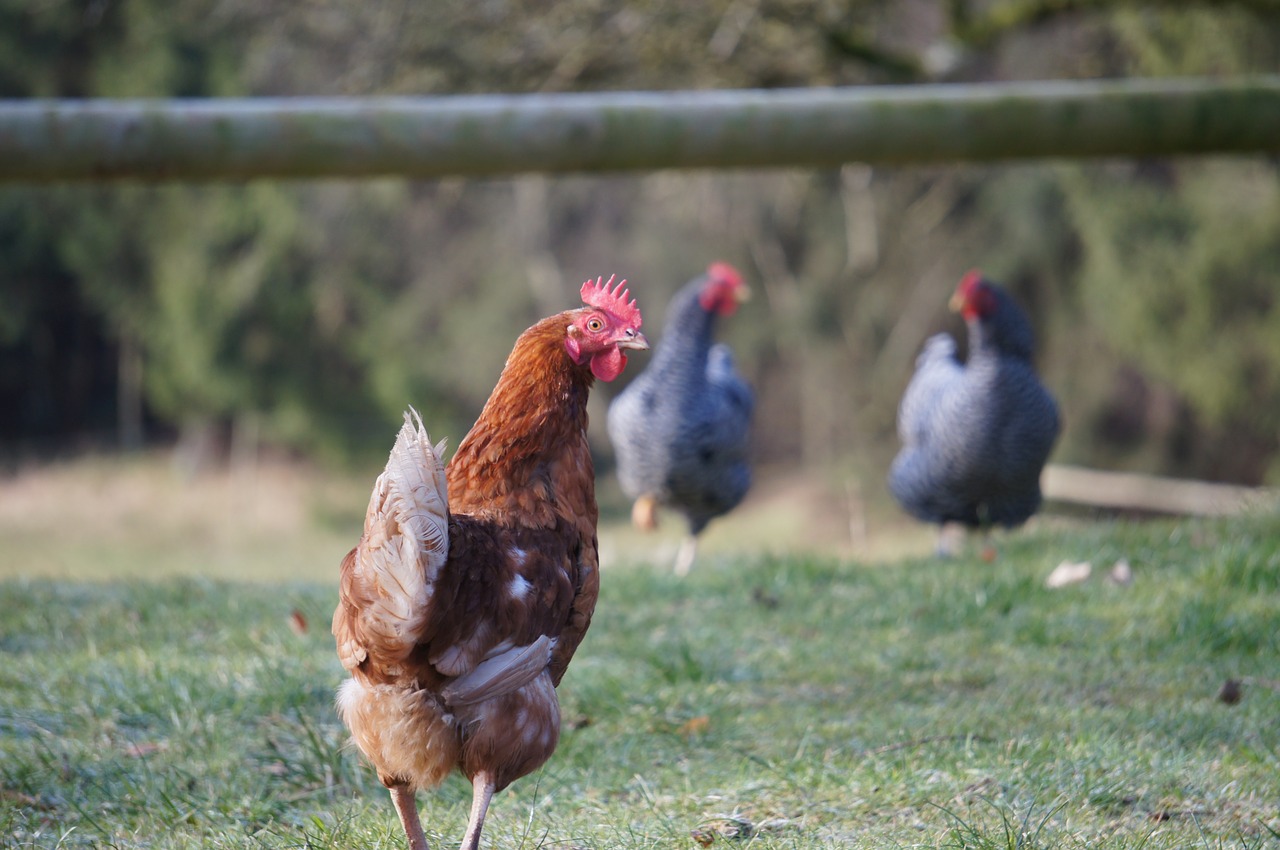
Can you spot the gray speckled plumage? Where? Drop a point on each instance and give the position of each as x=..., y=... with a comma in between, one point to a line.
x=680, y=429
x=975, y=436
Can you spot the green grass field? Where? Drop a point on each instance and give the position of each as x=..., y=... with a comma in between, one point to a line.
x=767, y=701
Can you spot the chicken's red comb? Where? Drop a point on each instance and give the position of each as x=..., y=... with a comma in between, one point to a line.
x=972, y=278
x=597, y=294
x=974, y=297
x=724, y=271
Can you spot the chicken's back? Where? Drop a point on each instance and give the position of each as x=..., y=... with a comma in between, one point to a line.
x=975, y=441
x=1027, y=426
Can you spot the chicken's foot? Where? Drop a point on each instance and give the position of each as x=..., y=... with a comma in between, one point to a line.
x=481, y=794
x=407, y=807
x=644, y=513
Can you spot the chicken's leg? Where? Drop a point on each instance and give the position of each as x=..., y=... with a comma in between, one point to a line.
x=684, y=557
x=481, y=794
x=407, y=807
x=950, y=539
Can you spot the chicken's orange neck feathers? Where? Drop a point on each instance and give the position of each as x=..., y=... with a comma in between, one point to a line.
x=526, y=457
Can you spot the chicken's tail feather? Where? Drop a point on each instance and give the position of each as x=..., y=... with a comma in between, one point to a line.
x=405, y=543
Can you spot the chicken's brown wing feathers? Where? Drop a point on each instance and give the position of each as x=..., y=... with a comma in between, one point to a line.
x=503, y=585
x=579, y=620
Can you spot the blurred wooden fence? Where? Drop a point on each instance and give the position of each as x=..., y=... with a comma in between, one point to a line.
x=430, y=137
x=1151, y=494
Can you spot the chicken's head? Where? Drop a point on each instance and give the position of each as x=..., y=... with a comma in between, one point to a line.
x=974, y=297
x=723, y=290
x=1001, y=320
x=600, y=332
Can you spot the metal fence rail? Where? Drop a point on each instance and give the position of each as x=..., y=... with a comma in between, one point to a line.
x=238, y=139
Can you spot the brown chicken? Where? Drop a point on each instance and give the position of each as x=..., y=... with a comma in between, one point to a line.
x=471, y=588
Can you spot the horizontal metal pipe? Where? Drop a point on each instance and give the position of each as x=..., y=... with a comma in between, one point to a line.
x=485, y=135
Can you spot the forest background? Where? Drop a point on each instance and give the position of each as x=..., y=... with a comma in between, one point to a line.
x=302, y=317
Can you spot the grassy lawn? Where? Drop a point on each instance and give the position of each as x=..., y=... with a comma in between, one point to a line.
x=793, y=700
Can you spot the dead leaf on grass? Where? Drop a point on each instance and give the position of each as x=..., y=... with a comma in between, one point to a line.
x=142, y=749
x=27, y=800
x=1068, y=573
x=1231, y=691
x=1162, y=815
x=1121, y=573
x=764, y=598
x=695, y=726
x=729, y=827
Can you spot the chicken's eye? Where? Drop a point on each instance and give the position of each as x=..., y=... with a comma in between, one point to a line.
x=595, y=325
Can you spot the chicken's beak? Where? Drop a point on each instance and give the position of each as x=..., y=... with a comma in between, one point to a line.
x=742, y=294
x=956, y=303
x=633, y=339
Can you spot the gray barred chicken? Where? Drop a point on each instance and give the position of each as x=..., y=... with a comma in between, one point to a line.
x=680, y=429
x=975, y=436
x=472, y=585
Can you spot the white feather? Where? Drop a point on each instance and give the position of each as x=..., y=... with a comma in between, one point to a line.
x=406, y=535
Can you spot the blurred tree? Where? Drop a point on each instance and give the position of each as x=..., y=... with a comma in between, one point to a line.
x=55, y=361
x=79, y=256
x=1178, y=266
